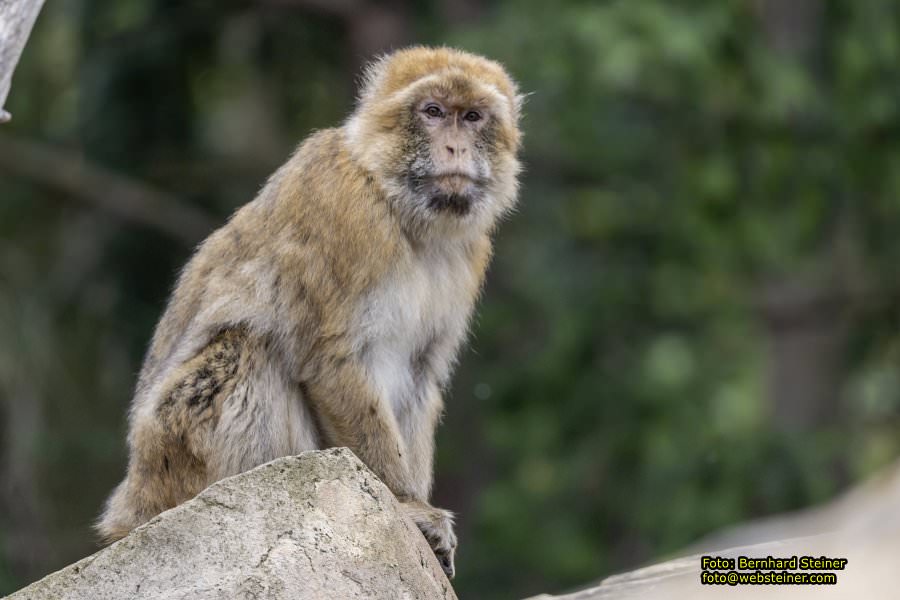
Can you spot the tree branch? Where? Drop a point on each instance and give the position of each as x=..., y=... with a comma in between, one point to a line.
x=122, y=196
x=16, y=20
x=344, y=9
x=372, y=27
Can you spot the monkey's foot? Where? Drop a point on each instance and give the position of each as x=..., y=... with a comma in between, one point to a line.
x=436, y=525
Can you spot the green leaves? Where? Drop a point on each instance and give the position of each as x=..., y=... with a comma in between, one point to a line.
x=677, y=159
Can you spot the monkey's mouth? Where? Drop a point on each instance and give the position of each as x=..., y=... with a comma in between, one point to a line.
x=454, y=193
x=450, y=203
x=454, y=178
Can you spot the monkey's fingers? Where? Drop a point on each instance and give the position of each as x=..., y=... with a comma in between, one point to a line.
x=446, y=561
x=437, y=526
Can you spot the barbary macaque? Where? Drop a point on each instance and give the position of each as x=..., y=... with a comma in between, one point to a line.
x=330, y=309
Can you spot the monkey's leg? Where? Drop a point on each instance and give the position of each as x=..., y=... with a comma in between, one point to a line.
x=264, y=417
x=170, y=436
x=351, y=413
x=228, y=409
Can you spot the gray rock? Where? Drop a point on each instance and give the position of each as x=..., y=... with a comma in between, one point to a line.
x=318, y=525
x=862, y=525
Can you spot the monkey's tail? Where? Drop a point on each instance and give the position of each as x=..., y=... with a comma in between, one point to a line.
x=117, y=520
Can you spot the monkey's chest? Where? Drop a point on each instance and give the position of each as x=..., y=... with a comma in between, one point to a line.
x=411, y=327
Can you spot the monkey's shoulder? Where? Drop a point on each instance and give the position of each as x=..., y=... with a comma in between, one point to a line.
x=324, y=199
x=323, y=171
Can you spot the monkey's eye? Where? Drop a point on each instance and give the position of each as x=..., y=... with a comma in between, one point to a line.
x=433, y=110
x=472, y=116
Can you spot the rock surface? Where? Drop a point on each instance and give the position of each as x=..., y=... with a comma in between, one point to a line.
x=862, y=525
x=318, y=525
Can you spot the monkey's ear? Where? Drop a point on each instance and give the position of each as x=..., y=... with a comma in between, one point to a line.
x=367, y=80
x=519, y=104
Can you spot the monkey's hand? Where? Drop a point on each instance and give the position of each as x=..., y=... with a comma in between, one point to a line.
x=436, y=525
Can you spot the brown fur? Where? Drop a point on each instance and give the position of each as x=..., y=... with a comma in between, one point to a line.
x=289, y=326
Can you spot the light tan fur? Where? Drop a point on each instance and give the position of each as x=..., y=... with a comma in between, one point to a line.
x=329, y=311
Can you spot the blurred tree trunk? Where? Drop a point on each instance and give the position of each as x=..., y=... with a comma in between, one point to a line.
x=25, y=545
x=807, y=324
x=372, y=27
x=25, y=542
x=16, y=20
x=806, y=315
x=461, y=12
x=378, y=28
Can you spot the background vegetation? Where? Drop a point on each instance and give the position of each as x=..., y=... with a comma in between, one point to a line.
x=692, y=320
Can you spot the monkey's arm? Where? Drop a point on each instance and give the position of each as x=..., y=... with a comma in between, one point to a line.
x=350, y=413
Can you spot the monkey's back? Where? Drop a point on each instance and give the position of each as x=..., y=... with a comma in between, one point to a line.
x=318, y=224
x=278, y=282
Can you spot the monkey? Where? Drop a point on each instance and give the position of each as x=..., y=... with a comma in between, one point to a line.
x=330, y=309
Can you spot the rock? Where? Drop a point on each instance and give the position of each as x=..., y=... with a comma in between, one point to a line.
x=867, y=574
x=318, y=525
x=862, y=525
x=869, y=506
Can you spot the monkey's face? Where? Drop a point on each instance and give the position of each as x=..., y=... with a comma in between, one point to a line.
x=448, y=161
x=457, y=163
x=438, y=129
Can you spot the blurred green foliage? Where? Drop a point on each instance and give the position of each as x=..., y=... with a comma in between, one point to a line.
x=686, y=163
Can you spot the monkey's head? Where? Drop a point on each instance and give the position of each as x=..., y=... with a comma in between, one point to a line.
x=438, y=130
